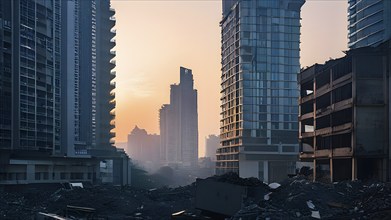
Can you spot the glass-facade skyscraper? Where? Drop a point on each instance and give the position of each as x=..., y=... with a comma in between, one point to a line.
x=259, y=91
x=369, y=22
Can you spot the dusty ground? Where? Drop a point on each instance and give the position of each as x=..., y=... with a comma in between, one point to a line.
x=296, y=198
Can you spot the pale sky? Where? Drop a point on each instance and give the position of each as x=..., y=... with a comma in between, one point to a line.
x=155, y=38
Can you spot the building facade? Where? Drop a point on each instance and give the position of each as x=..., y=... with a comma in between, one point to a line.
x=179, y=123
x=54, y=54
x=344, y=115
x=212, y=143
x=87, y=90
x=29, y=76
x=260, y=63
x=369, y=22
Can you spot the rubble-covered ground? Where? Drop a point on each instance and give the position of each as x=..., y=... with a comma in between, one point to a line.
x=299, y=198
x=296, y=198
x=109, y=202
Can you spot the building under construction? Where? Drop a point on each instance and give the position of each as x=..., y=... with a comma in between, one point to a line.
x=344, y=115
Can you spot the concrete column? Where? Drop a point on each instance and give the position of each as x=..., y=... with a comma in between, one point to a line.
x=30, y=171
x=266, y=171
x=354, y=168
x=314, y=171
x=331, y=170
x=51, y=172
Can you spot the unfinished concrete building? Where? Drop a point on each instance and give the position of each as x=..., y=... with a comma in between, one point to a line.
x=344, y=115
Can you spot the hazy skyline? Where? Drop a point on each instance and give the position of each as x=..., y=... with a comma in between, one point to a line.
x=154, y=38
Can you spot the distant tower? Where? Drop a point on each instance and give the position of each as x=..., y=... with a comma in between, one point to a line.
x=259, y=92
x=179, y=123
x=369, y=22
x=212, y=143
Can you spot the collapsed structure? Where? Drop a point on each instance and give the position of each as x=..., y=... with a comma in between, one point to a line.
x=344, y=115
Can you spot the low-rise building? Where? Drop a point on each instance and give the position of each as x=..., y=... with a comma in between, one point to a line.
x=344, y=115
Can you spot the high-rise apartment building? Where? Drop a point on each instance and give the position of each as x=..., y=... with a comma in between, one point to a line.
x=88, y=98
x=259, y=92
x=179, y=123
x=56, y=94
x=369, y=22
x=30, y=75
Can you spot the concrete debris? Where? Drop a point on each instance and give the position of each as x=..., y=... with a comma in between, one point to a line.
x=296, y=198
x=267, y=196
x=274, y=185
x=315, y=214
x=310, y=204
x=97, y=202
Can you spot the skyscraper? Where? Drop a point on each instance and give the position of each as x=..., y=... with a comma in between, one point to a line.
x=259, y=91
x=179, y=123
x=369, y=22
x=29, y=75
x=88, y=98
x=56, y=94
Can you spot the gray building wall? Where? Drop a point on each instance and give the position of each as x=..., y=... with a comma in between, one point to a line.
x=344, y=115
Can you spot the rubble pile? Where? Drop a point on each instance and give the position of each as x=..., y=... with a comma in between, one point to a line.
x=109, y=202
x=233, y=178
x=299, y=198
x=296, y=198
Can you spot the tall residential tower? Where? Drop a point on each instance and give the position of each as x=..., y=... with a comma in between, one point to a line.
x=259, y=91
x=56, y=99
x=369, y=22
x=30, y=75
x=87, y=91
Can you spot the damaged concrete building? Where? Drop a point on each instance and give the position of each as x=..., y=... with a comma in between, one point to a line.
x=344, y=115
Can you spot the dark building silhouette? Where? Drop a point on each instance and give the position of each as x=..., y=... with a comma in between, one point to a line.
x=144, y=148
x=212, y=143
x=260, y=62
x=344, y=115
x=179, y=123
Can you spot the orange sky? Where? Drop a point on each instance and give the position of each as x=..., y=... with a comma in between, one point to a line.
x=154, y=38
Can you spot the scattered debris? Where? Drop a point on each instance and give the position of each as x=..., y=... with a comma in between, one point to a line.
x=315, y=214
x=310, y=204
x=296, y=198
x=74, y=185
x=274, y=185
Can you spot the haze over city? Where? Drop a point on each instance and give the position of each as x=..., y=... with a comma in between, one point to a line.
x=154, y=38
x=195, y=109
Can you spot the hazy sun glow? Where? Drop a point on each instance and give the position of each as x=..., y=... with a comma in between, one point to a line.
x=154, y=38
